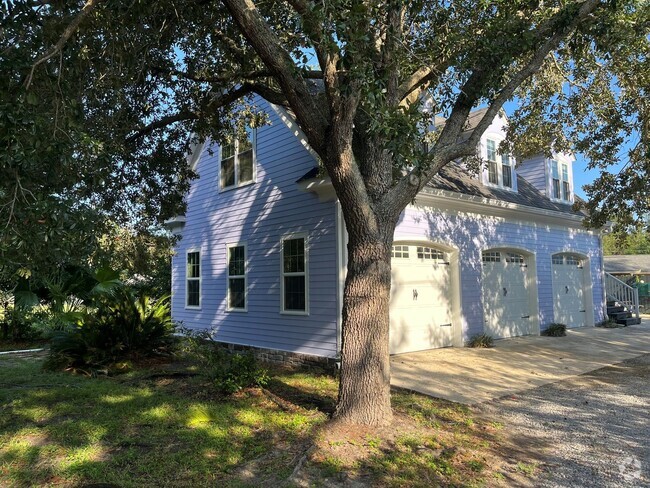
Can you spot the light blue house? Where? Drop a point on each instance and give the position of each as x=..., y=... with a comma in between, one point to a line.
x=262, y=258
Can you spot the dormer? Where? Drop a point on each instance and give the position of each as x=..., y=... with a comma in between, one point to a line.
x=552, y=176
x=499, y=172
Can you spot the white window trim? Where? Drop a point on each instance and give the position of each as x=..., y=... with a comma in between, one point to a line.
x=498, y=139
x=296, y=235
x=236, y=156
x=228, y=247
x=199, y=279
x=569, y=165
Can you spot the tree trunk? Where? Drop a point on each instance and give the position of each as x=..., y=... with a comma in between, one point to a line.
x=364, y=389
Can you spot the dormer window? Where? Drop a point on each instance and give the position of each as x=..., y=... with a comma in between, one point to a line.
x=238, y=161
x=560, y=183
x=499, y=167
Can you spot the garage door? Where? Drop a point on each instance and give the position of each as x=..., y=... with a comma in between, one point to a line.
x=506, y=298
x=568, y=290
x=420, y=315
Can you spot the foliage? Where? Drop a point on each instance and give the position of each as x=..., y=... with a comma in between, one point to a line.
x=481, y=341
x=118, y=325
x=230, y=371
x=555, y=330
x=627, y=241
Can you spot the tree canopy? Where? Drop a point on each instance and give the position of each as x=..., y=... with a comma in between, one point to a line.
x=101, y=99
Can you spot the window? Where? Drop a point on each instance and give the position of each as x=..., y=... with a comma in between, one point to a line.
x=573, y=260
x=514, y=258
x=491, y=257
x=430, y=253
x=493, y=176
x=193, y=280
x=236, y=293
x=238, y=160
x=399, y=252
x=556, y=179
x=566, y=191
x=506, y=170
x=558, y=259
x=499, y=167
x=294, y=275
x=560, y=183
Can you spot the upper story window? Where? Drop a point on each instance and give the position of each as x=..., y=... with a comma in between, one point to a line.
x=238, y=161
x=500, y=167
x=560, y=183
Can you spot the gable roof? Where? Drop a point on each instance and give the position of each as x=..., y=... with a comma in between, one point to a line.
x=628, y=264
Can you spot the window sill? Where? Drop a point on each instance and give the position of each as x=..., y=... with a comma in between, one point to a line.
x=191, y=307
x=500, y=187
x=294, y=312
x=237, y=310
x=230, y=188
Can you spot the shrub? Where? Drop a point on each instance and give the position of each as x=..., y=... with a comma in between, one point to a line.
x=481, y=340
x=230, y=371
x=555, y=330
x=119, y=326
x=610, y=323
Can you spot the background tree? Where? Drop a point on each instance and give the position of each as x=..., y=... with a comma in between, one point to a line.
x=137, y=82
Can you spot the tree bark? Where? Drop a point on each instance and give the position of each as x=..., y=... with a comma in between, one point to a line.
x=364, y=388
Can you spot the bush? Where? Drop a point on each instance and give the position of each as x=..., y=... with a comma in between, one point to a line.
x=481, y=341
x=555, y=330
x=230, y=371
x=119, y=326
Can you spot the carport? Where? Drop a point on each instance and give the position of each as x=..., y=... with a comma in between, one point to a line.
x=473, y=376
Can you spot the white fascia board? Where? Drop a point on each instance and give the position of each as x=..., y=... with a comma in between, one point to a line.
x=499, y=208
x=469, y=203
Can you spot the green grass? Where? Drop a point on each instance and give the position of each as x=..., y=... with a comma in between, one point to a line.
x=166, y=425
x=60, y=429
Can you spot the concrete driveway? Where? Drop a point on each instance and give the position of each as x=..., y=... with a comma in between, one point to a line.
x=473, y=376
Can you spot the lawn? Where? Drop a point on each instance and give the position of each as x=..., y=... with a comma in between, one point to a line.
x=165, y=425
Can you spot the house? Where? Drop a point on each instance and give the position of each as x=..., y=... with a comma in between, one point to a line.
x=262, y=258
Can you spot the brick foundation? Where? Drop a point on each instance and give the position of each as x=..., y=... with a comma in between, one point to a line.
x=285, y=358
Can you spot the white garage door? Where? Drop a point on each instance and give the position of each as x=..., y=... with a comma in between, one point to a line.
x=420, y=316
x=506, y=298
x=568, y=290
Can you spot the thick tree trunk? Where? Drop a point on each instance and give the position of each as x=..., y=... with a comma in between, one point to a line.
x=364, y=390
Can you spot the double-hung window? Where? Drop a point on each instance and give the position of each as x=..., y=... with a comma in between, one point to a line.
x=493, y=175
x=560, y=184
x=566, y=189
x=236, y=299
x=238, y=160
x=294, y=284
x=506, y=170
x=193, y=280
x=555, y=173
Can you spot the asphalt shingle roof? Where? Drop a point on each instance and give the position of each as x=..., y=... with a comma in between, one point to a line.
x=628, y=263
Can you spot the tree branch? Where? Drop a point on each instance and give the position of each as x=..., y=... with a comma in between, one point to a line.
x=67, y=33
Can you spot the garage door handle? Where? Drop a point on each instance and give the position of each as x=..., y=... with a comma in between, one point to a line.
x=583, y=310
x=566, y=289
x=445, y=325
x=505, y=291
x=525, y=316
x=415, y=294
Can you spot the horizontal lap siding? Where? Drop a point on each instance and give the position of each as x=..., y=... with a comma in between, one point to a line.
x=534, y=170
x=260, y=214
x=472, y=233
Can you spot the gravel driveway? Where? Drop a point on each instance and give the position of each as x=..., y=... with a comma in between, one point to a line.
x=588, y=431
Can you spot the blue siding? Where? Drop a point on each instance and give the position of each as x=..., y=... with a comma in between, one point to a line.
x=534, y=170
x=472, y=233
x=260, y=214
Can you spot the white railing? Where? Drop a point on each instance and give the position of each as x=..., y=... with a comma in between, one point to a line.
x=623, y=293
